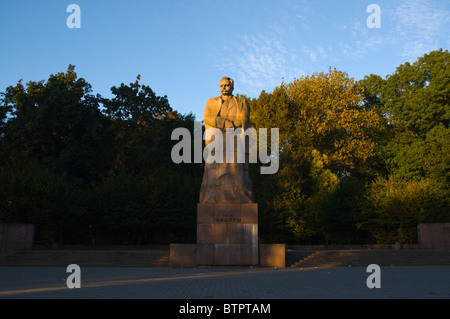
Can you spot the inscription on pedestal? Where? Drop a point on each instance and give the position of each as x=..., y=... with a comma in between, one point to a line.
x=227, y=219
x=227, y=213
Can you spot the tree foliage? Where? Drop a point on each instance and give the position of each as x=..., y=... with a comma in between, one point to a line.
x=57, y=123
x=415, y=187
x=325, y=136
x=91, y=170
x=393, y=208
x=359, y=162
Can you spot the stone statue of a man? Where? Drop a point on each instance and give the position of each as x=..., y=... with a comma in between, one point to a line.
x=226, y=181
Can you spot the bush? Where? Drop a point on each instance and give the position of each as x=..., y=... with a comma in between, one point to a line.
x=393, y=207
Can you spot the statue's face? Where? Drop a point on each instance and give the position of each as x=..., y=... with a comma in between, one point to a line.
x=225, y=87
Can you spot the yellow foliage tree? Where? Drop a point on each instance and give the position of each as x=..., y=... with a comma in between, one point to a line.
x=326, y=133
x=328, y=110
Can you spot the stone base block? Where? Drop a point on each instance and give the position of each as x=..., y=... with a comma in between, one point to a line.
x=435, y=236
x=227, y=254
x=227, y=223
x=183, y=255
x=227, y=235
x=16, y=237
x=192, y=255
x=272, y=255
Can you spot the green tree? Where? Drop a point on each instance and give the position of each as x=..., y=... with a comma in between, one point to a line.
x=415, y=104
x=32, y=194
x=417, y=96
x=326, y=134
x=136, y=102
x=88, y=177
x=413, y=185
x=147, y=198
x=159, y=208
x=337, y=213
x=139, y=127
x=57, y=123
x=393, y=207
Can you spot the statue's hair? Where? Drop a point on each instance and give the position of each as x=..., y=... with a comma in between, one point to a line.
x=228, y=79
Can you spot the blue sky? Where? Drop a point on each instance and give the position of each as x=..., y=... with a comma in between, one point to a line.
x=181, y=48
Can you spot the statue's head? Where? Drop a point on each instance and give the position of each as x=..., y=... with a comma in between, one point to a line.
x=226, y=86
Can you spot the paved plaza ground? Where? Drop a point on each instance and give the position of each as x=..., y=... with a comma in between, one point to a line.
x=224, y=292
x=397, y=282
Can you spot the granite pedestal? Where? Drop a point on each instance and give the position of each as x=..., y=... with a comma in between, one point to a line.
x=227, y=235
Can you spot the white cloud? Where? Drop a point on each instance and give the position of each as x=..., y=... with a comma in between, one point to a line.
x=314, y=53
x=360, y=48
x=261, y=62
x=412, y=28
x=420, y=25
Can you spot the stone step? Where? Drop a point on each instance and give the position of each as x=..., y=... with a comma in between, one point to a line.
x=86, y=258
x=340, y=258
x=161, y=258
x=293, y=257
